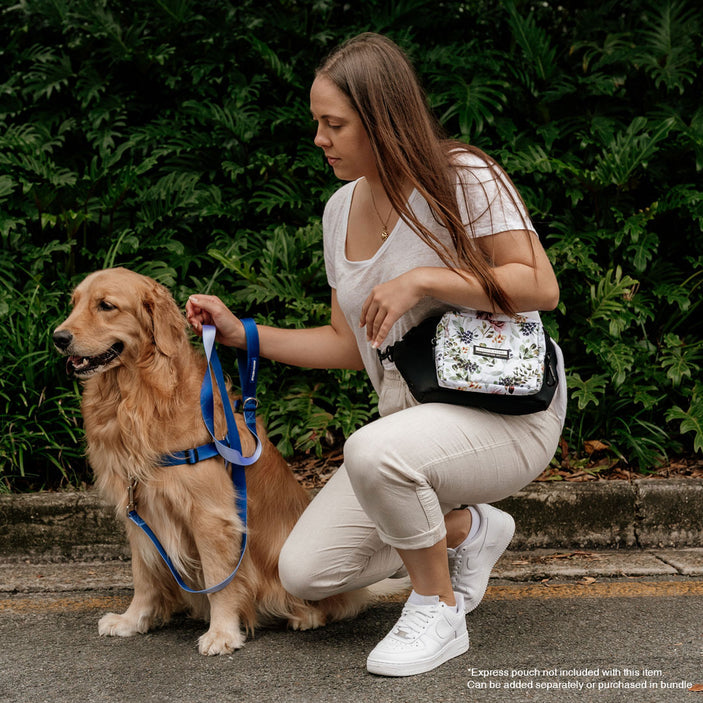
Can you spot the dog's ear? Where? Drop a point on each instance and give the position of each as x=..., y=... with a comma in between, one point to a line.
x=167, y=323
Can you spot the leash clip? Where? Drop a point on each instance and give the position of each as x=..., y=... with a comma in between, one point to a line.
x=131, y=503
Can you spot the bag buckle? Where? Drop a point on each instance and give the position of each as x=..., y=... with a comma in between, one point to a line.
x=387, y=354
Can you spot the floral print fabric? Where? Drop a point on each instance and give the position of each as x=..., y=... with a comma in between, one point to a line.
x=490, y=353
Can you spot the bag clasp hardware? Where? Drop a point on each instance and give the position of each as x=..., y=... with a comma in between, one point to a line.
x=387, y=354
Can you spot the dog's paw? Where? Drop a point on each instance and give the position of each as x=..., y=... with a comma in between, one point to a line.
x=307, y=619
x=114, y=625
x=220, y=642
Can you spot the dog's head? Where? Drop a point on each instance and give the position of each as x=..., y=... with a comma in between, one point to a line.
x=119, y=317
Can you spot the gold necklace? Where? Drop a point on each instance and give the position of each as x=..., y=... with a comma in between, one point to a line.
x=384, y=231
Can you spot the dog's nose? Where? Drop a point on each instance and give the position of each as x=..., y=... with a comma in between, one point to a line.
x=62, y=338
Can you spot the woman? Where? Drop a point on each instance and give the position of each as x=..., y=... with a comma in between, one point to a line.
x=422, y=226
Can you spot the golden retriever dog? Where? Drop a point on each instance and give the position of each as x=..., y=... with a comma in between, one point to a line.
x=128, y=343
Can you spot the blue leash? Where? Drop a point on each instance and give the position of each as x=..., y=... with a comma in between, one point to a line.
x=230, y=448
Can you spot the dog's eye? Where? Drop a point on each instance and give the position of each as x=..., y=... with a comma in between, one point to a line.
x=104, y=305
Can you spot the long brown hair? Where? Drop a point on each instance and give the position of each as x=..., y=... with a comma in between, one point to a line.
x=410, y=147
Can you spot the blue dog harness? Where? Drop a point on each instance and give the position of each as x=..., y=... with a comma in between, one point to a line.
x=230, y=448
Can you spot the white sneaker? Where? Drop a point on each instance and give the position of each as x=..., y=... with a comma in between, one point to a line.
x=428, y=633
x=470, y=565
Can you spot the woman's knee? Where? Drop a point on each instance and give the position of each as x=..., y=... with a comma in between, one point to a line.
x=303, y=575
x=295, y=572
x=374, y=463
x=357, y=454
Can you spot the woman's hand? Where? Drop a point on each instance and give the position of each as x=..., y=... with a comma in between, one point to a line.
x=210, y=310
x=387, y=302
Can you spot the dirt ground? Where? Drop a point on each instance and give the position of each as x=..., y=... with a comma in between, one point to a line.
x=313, y=471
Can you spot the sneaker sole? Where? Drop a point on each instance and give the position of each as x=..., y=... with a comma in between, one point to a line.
x=473, y=604
x=453, y=649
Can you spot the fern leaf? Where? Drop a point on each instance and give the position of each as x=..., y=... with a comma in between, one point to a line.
x=610, y=300
x=476, y=103
x=271, y=58
x=690, y=420
x=628, y=150
x=7, y=185
x=679, y=359
x=535, y=42
x=667, y=46
x=587, y=391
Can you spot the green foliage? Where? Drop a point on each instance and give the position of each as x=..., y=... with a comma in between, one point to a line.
x=691, y=419
x=174, y=137
x=278, y=274
x=39, y=410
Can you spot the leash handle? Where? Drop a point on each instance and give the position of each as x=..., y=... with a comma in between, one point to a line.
x=231, y=450
x=248, y=364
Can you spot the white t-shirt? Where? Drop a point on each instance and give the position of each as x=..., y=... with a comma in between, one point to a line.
x=492, y=210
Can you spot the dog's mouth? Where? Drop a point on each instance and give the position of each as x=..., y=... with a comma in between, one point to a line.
x=85, y=366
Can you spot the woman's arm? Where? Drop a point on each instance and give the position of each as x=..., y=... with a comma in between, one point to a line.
x=520, y=265
x=330, y=347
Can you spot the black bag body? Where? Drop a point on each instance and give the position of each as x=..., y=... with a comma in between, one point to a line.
x=414, y=358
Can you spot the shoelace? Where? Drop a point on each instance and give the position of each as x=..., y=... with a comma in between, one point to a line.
x=455, y=557
x=414, y=621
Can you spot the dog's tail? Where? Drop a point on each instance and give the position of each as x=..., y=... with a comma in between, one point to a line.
x=393, y=590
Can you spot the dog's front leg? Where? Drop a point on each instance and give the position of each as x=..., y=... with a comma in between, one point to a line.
x=148, y=602
x=225, y=634
x=219, y=551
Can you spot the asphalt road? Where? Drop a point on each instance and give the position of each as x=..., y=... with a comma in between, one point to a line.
x=638, y=639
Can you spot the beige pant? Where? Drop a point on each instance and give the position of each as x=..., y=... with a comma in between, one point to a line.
x=401, y=474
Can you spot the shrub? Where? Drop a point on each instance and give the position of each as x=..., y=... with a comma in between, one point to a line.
x=173, y=138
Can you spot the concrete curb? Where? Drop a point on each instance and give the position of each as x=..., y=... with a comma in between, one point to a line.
x=643, y=514
x=75, y=525
x=646, y=513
